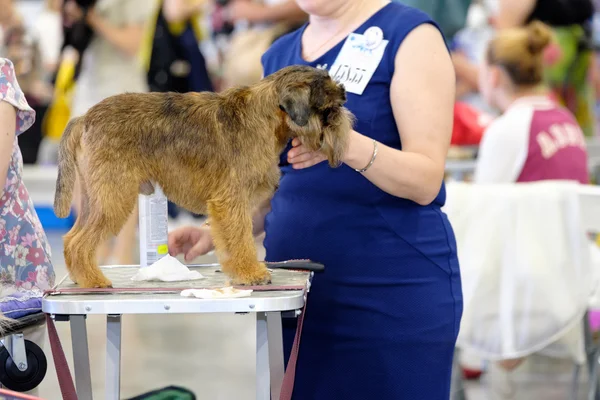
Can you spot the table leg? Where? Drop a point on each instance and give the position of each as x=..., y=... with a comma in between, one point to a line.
x=81, y=357
x=263, y=382
x=113, y=357
x=276, y=362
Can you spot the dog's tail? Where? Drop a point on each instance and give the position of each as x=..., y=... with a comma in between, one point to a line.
x=67, y=166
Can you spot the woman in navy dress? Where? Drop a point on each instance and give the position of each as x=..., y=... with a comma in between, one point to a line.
x=382, y=320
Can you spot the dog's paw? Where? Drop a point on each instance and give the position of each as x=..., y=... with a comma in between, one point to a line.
x=259, y=276
x=98, y=283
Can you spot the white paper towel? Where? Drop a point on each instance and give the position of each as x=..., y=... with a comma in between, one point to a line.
x=167, y=269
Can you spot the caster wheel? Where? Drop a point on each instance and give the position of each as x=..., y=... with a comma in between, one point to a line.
x=23, y=381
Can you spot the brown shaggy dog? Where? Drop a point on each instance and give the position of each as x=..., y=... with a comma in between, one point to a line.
x=214, y=154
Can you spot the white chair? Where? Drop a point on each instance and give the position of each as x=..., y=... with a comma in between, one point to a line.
x=522, y=291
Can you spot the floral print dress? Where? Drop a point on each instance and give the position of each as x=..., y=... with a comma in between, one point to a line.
x=25, y=266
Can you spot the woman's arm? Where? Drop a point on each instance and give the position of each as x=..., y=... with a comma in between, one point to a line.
x=422, y=96
x=181, y=10
x=8, y=122
x=127, y=38
x=513, y=13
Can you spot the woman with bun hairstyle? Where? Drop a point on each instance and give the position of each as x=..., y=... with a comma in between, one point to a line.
x=568, y=61
x=535, y=138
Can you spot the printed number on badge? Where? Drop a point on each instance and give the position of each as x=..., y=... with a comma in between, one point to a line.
x=348, y=74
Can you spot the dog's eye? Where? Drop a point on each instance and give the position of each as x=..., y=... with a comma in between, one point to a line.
x=281, y=108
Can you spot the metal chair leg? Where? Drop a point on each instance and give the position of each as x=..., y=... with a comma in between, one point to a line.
x=457, y=387
x=593, y=358
x=575, y=382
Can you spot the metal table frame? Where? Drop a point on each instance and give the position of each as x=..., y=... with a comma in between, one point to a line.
x=267, y=307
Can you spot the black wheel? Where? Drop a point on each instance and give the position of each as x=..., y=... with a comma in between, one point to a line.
x=23, y=381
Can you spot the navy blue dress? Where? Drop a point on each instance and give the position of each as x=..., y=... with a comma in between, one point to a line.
x=382, y=320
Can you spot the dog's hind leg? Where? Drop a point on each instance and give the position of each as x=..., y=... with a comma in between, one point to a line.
x=231, y=228
x=84, y=246
x=83, y=211
x=110, y=206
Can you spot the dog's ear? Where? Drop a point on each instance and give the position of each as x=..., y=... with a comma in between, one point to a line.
x=295, y=101
x=334, y=141
x=342, y=90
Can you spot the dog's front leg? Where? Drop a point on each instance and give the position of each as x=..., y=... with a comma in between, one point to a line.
x=231, y=228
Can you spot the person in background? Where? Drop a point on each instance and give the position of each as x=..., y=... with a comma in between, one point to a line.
x=48, y=34
x=110, y=65
x=21, y=48
x=265, y=20
x=265, y=12
x=171, y=50
x=76, y=35
x=535, y=139
x=382, y=319
x=172, y=56
x=26, y=270
x=450, y=15
x=569, y=58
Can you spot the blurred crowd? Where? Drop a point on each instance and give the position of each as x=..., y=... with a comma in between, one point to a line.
x=70, y=54
x=73, y=53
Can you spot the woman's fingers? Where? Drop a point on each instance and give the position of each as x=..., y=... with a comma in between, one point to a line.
x=297, y=151
x=181, y=240
x=308, y=161
x=202, y=247
x=301, y=156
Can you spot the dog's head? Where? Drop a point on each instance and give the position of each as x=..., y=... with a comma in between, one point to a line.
x=314, y=104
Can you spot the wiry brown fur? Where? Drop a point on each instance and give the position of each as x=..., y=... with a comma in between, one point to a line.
x=215, y=154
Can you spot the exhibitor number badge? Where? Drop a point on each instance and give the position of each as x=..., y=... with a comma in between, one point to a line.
x=358, y=60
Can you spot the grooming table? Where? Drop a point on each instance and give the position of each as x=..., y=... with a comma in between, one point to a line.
x=287, y=293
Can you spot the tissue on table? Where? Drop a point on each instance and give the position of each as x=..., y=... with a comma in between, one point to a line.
x=223, y=293
x=167, y=269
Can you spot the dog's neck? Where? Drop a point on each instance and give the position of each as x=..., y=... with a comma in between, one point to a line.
x=268, y=106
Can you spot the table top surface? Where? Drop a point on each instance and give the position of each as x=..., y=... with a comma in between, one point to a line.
x=158, y=298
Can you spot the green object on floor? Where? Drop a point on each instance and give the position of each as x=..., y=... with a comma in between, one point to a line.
x=168, y=393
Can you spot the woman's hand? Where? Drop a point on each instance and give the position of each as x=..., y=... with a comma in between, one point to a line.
x=301, y=157
x=190, y=241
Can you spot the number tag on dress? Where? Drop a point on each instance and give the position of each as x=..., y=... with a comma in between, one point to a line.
x=358, y=59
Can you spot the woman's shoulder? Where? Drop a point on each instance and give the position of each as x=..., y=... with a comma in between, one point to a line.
x=11, y=92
